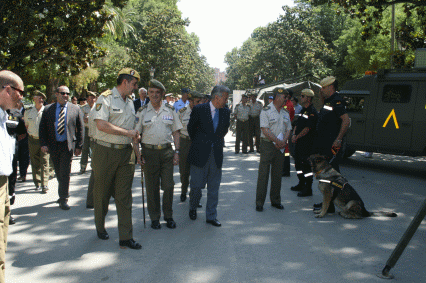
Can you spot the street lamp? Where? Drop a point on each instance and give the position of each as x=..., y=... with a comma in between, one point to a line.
x=151, y=72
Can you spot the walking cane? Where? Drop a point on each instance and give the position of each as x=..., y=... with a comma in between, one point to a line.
x=143, y=198
x=397, y=252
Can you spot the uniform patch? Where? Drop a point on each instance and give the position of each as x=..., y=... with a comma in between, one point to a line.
x=136, y=119
x=98, y=106
x=329, y=108
x=182, y=110
x=266, y=108
x=168, y=117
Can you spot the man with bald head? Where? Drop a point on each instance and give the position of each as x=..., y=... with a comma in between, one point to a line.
x=11, y=93
x=61, y=134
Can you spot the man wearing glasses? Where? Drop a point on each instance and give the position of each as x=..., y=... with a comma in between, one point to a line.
x=61, y=134
x=11, y=93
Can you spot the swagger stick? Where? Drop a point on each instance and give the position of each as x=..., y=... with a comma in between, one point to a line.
x=143, y=197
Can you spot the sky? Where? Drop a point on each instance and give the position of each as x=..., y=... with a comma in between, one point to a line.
x=222, y=25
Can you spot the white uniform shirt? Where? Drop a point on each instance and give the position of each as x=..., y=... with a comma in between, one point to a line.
x=32, y=119
x=277, y=122
x=7, y=148
x=184, y=115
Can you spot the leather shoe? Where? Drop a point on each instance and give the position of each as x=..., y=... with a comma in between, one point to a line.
x=214, y=222
x=297, y=188
x=130, y=244
x=44, y=190
x=304, y=194
x=11, y=220
x=64, y=205
x=278, y=205
x=183, y=197
x=192, y=214
x=170, y=223
x=259, y=208
x=156, y=225
x=103, y=235
x=82, y=171
x=88, y=206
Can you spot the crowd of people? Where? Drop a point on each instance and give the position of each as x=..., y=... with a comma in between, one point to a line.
x=119, y=132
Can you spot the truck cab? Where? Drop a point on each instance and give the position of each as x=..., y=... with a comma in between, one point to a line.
x=388, y=112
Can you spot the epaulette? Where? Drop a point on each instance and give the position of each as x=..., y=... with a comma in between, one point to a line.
x=171, y=107
x=286, y=110
x=107, y=92
x=143, y=107
x=182, y=110
x=267, y=107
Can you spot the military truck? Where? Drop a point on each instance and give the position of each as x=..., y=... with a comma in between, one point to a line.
x=388, y=112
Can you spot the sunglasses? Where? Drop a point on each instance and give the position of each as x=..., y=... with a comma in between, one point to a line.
x=64, y=93
x=21, y=92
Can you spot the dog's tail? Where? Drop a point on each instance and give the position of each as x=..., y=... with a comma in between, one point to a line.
x=381, y=213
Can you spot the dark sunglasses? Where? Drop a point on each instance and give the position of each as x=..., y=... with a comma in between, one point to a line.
x=17, y=89
x=64, y=93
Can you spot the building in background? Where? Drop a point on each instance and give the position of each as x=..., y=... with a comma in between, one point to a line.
x=219, y=76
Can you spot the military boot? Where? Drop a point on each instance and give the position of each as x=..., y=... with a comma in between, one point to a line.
x=307, y=189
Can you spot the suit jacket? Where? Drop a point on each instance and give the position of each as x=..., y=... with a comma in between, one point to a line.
x=202, y=134
x=75, y=127
x=137, y=103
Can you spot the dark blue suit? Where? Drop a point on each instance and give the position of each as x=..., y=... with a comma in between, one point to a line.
x=206, y=155
x=138, y=103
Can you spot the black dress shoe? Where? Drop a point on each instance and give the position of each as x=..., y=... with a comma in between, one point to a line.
x=103, y=235
x=237, y=152
x=245, y=152
x=11, y=220
x=156, y=225
x=192, y=214
x=259, y=208
x=130, y=244
x=183, y=197
x=214, y=222
x=170, y=223
x=278, y=205
x=297, y=188
x=88, y=206
x=251, y=150
x=64, y=205
x=304, y=194
x=82, y=171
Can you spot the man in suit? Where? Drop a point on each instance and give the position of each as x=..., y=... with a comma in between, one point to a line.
x=142, y=101
x=207, y=128
x=61, y=133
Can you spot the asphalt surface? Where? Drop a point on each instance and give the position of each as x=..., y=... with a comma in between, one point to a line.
x=48, y=244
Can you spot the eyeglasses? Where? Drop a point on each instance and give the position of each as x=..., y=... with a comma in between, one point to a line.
x=21, y=92
x=63, y=93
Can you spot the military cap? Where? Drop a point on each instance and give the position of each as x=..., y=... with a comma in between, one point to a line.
x=169, y=94
x=92, y=93
x=130, y=72
x=271, y=97
x=195, y=94
x=38, y=93
x=279, y=90
x=156, y=84
x=308, y=92
x=185, y=90
x=327, y=81
x=82, y=99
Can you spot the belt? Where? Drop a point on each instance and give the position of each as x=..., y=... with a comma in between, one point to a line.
x=242, y=120
x=265, y=140
x=254, y=116
x=160, y=146
x=113, y=145
x=184, y=137
x=34, y=137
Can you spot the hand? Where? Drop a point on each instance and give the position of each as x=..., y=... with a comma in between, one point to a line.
x=21, y=137
x=44, y=149
x=176, y=159
x=280, y=144
x=337, y=144
x=133, y=134
x=77, y=152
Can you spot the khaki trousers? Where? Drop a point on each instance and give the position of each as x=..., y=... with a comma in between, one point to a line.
x=184, y=165
x=242, y=135
x=158, y=171
x=4, y=224
x=39, y=163
x=271, y=160
x=254, y=131
x=113, y=173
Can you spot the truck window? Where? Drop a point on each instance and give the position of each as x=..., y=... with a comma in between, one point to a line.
x=396, y=93
x=354, y=104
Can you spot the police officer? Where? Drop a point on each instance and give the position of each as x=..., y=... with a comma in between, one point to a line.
x=39, y=159
x=275, y=126
x=185, y=142
x=183, y=102
x=241, y=113
x=91, y=99
x=254, y=122
x=158, y=123
x=303, y=138
x=113, y=158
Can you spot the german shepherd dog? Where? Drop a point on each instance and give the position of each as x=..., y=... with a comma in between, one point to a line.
x=335, y=188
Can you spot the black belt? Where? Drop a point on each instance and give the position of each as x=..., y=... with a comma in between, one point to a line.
x=159, y=146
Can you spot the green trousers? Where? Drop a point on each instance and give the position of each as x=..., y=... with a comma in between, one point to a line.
x=85, y=150
x=39, y=163
x=184, y=166
x=242, y=135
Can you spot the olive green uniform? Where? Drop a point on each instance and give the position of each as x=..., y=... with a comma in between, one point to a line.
x=86, y=143
x=114, y=162
x=39, y=159
x=271, y=158
x=241, y=112
x=156, y=128
x=185, y=143
x=254, y=124
x=91, y=132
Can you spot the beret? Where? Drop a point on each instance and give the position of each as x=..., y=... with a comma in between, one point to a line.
x=308, y=92
x=156, y=84
x=327, y=81
x=130, y=72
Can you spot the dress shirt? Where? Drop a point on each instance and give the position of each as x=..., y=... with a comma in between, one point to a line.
x=63, y=137
x=7, y=148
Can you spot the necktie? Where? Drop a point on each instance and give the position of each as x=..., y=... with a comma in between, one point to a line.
x=216, y=119
x=61, y=121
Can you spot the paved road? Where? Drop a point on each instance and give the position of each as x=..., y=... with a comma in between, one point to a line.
x=51, y=245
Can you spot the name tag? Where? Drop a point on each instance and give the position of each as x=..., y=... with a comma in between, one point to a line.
x=167, y=117
x=147, y=121
x=329, y=108
x=117, y=110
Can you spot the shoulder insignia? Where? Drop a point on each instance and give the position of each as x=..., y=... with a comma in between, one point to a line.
x=182, y=110
x=267, y=107
x=338, y=102
x=171, y=107
x=98, y=106
x=286, y=110
x=107, y=92
x=142, y=108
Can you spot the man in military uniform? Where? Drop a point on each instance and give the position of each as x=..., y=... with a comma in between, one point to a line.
x=39, y=159
x=158, y=123
x=241, y=113
x=183, y=102
x=303, y=138
x=185, y=142
x=113, y=158
x=290, y=109
x=254, y=122
x=91, y=99
x=275, y=126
